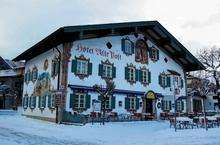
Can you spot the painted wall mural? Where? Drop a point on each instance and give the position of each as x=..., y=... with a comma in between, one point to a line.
x=43, y=84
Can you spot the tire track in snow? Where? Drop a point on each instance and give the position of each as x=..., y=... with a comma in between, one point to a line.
x=21, y=138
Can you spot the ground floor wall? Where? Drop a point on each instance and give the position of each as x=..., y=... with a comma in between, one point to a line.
x=143, y=105
x=43, y=113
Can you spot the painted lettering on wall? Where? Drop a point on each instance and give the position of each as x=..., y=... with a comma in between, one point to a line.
x=98, y=51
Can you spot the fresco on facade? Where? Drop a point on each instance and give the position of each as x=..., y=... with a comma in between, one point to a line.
x=43, y=84
x=141, y=49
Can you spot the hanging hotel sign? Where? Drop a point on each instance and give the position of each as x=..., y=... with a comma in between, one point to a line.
x=98, y=51
x=151, y=95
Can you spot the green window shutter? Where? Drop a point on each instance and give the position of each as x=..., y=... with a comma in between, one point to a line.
x=160, y=80
x=127, y=103
x=52, y=68
x=88, y=101
x=100, y=70
x=158, y=55
x=30, y=76
x=113, y=72
x=71, y=100
x=44, y=101
x=74, y=65
x=162, y=104
x=170, y=105
x=34, y=101
x=25, y=77
x=136, y=75
x=123, y=45
x=57, y=68
x=132, y=47
x=149, y=77
x=182, y=105
x=137, y=103
x=39, y=101
x=113, y=102
x=49, y=101
x=168, y=81
x=27, y=99
x=140, y=75
x=150, y=52
x=29, y=103
x=126, y=73
x=90, y=69
x=181, y=83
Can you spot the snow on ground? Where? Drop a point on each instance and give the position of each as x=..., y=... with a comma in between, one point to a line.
x=19, y=130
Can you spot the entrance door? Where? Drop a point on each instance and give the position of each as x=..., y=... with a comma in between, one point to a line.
x=149, y=106
x=1, y=104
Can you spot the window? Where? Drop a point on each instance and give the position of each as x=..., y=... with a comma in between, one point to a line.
x=33, y=102
x=55, y=67
x=41, y=102
x=28, y=76
x=108, y=102
x=179, y=105
x=34, y=74
x=166, y=105
x=107, y=71
x=164, y=80
x=51, y=101
x=82, y=67
x=25, y=101
x=154, y=54
x=80, y=101
x=132, y=74
x=132, y=103
x=127, y=46
x=144, y=76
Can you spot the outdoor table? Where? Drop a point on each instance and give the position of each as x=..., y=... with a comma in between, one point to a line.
x=210, y=120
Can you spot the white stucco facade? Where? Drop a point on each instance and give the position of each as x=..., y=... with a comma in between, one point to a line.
x=97, y=52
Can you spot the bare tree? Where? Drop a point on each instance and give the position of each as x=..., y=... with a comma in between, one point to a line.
x=211, y=60
x=104, y=93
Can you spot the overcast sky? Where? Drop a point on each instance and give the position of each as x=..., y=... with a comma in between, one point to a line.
x=195, y=23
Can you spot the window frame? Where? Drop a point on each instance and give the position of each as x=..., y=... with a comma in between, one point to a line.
x=107, y=70
x=132, y=74
x=82, y=69
x=78, y=100
x=132, y=103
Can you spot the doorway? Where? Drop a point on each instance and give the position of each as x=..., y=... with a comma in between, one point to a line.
x=1, y=104
x=149, y=106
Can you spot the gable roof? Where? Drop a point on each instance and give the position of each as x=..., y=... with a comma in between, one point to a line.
x=152, y=29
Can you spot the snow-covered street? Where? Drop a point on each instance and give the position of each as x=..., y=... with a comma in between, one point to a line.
x=19, y=130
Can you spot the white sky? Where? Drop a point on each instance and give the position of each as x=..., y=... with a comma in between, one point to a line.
x=195, y=23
